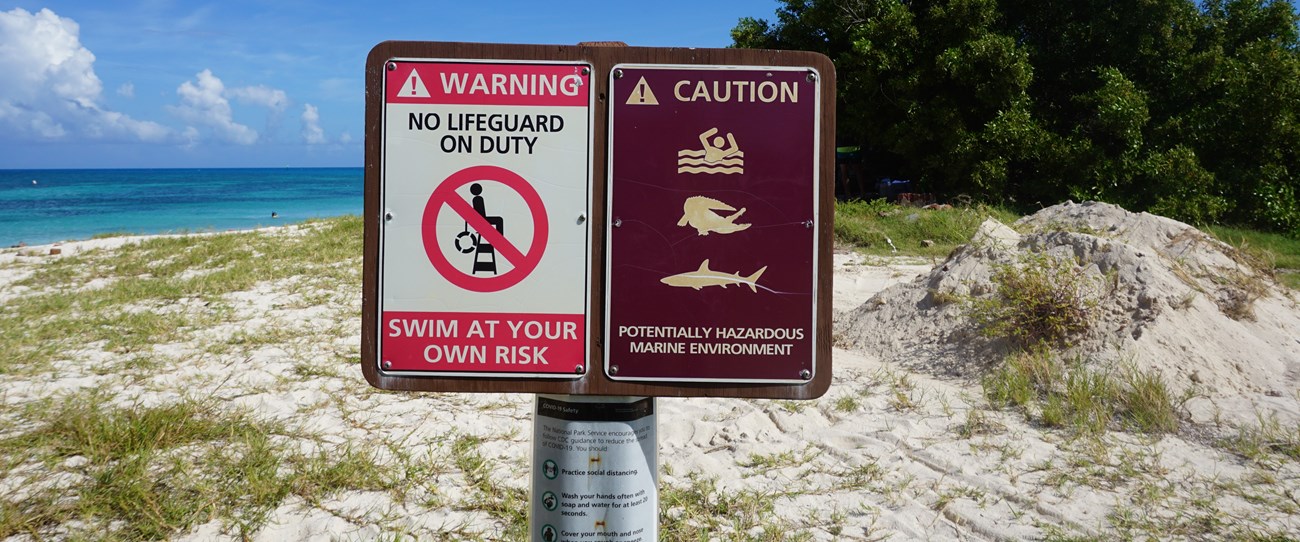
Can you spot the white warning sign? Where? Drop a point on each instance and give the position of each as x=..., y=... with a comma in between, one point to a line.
x=484, y=250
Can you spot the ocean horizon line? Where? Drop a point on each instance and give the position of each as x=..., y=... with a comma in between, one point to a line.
x=39, y=207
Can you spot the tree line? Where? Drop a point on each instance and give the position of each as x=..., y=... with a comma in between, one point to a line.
x=1182, y=108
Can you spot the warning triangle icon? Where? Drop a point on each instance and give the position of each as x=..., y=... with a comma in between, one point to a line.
x=413, y=87
x=642, y=95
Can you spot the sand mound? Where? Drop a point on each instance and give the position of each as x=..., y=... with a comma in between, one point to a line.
x=1171, y=300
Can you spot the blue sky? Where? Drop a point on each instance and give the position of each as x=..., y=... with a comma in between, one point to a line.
x=161, y=83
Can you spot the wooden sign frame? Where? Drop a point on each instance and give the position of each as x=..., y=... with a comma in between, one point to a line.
x=602, y=58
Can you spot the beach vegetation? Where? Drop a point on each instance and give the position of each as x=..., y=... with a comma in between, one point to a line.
x=1039, y=300
x=880, y=228
x=508, y=505
x=1273, y=254
x=696, y=508
x=770, y=461
x=157, y=290
x=978, y=423
x=860, y=477
x=1084, y=399
x=137, y=472
x=847, y=403
x=1264, y=441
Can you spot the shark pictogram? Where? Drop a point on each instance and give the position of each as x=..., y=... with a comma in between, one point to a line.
x=704, y=276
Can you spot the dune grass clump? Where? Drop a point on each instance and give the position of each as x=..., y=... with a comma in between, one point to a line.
x=1040, y=300
x=697, y=508
x=1041, y=305
x=1082, y=399
x=1266, y=440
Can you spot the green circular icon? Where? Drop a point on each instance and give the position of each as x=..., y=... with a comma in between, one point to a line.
x=549, y=501
x=550, y=469
x=549, y=533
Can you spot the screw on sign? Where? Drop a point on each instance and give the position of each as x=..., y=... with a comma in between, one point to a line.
x=488, y=240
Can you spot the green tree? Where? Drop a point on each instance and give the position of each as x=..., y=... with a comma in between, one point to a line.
x=1248, y=107
x=1181, y=107
x=926, y=87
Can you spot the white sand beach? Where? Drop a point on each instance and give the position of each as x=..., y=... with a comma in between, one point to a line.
x=898, y=449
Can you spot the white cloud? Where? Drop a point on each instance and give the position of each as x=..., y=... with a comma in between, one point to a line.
x=270, y=98
x=127, y=90
x=50, y=90
x=203, y=102
x=206, y=102
x=311, y=130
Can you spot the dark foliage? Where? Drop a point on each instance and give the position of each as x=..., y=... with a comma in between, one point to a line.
x=1184, y=108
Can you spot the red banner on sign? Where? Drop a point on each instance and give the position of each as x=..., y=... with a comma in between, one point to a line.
x=446, y=342
x=487, y=84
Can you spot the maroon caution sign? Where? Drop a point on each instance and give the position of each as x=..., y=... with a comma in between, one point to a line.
x=713, y=211
x=445, y=197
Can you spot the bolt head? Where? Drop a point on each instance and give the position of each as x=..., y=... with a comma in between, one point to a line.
x=805, y=374
x=586, y=71
x=392, y=66
x=618, y=74
x=613, y=369
x=578, y=369
x=388, y=364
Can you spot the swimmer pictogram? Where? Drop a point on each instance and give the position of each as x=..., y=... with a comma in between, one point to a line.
x=719, y=155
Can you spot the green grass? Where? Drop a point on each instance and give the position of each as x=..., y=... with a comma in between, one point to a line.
x=506, y=504
x=1277, y=252
x=1267, y=440
x=871, y=225
x=156, y=291
x=146, y=473
x=1082, y=399
x=700, y=510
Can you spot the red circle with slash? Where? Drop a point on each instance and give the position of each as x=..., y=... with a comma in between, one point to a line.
x=445, y=196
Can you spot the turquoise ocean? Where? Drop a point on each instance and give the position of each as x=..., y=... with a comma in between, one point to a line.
x=45, y=206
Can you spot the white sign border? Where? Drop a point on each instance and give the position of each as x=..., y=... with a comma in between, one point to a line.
x=383, y=210
x=609, y=209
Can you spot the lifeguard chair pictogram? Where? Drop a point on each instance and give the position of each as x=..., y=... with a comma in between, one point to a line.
x=485, y=257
